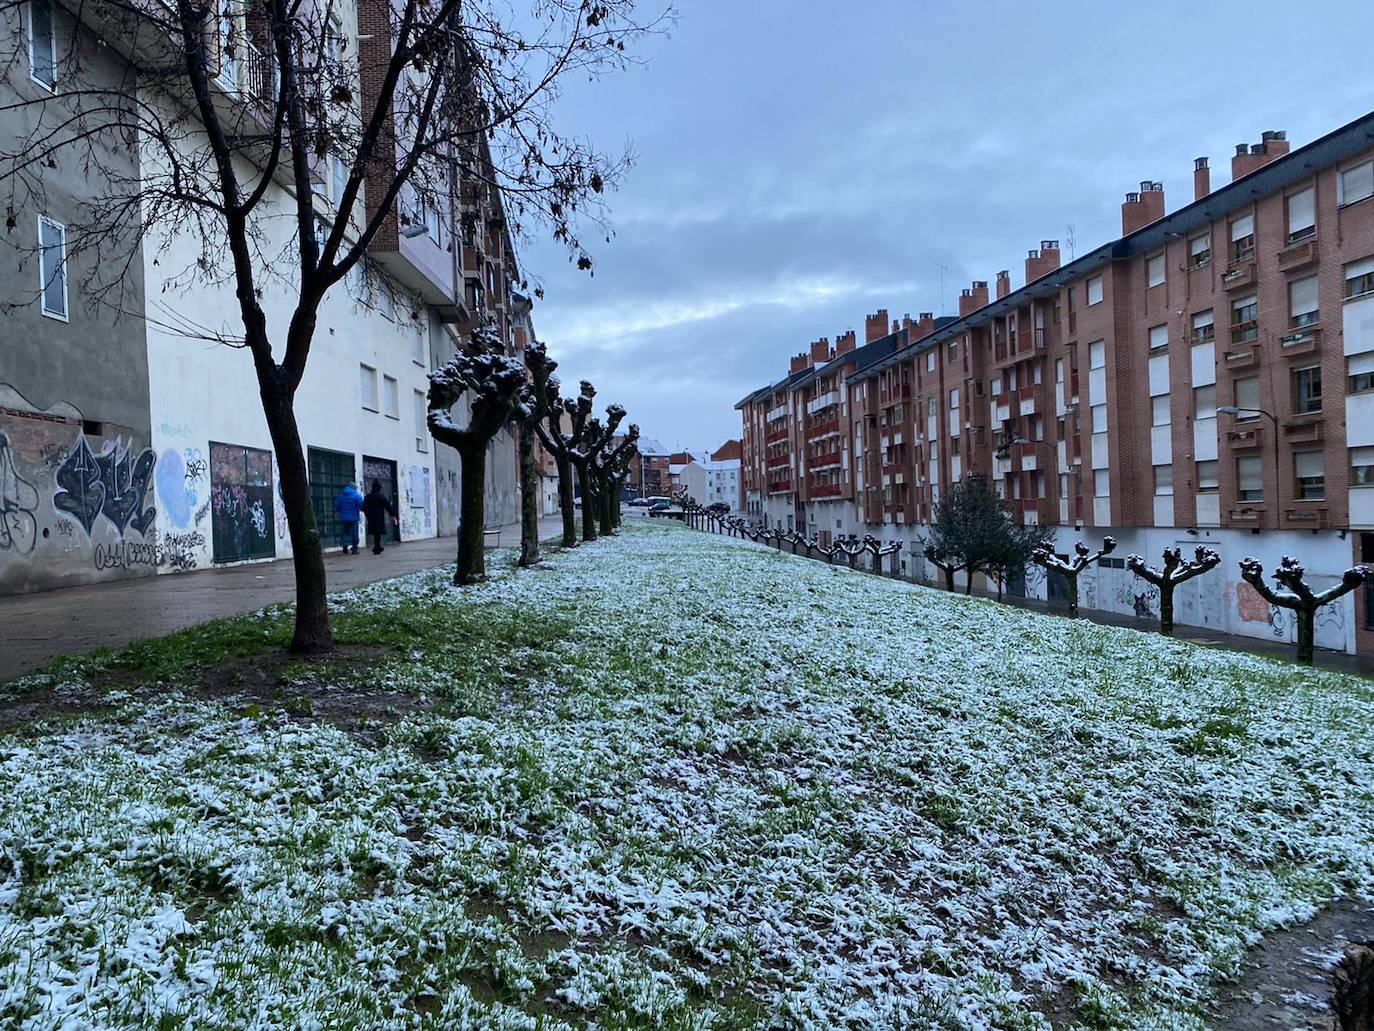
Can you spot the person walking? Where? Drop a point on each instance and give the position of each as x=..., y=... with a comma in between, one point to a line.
x=377, y=506
x=349, y=505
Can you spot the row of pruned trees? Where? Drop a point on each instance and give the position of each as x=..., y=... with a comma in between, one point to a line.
x=526, y=395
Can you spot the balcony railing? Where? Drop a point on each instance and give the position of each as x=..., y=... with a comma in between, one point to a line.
x=825, y=460
x=826, y=490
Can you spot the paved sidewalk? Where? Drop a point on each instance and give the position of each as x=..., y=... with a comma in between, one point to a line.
x=36, y=628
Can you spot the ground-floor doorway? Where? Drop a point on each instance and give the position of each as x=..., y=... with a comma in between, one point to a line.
x=383, y=471
x=242, y=505
x=330, y=472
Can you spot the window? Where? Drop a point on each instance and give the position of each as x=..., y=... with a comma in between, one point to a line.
x=1245, y=396
x=1095, y=290
x=385, y=300
x=1302, y=215
x=1099, y=413
x=1203, y=329
x=1249, y=478
x=417, y=339
x=391, y=398
x=1205, y=402
x=1159, y=410
x=1308, y=471
x=1059, y=370
x=1244, y=326
x=1359, y=278
x=954, y=400
x=953, y=350
x=1097, y=354
x=1159, y=338
x=432, y=222
x=367, y=393
x=1362, y=467
x=421, y=422
x=1154, y=270
x=1200, y=250
x=1302, y=301
x=930, y=362
x=1037, y=427
x=338, y=178
x=1208, y=476
x=1361, y=381
x=52, y=267
x=1307, y=389
x=1101, y=483
x=1355, y=184
x=42, y=44
x=1243, y=238
x=1164, y=480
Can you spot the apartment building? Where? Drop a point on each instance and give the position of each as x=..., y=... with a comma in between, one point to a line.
x=157, y=458
x=1203, y=379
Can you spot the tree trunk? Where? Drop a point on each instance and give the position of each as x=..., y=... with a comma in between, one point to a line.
x=565, y=500
x=607, y=524
x=312, y=635
x=1071, y=580
x=529, y=500
x=968, y=582
x=589, y=503
x=949, y=578
x=472, y=565
x=1306, y=632
x=1166, y=607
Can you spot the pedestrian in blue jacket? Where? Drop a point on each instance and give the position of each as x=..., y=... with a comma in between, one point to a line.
x=349, y=505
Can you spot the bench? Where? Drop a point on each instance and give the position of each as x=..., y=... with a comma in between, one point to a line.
x=491, y=530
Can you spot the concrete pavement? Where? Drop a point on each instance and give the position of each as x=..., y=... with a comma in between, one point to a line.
x=36, y=628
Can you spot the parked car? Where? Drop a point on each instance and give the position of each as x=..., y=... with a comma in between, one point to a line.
x=638, y=503
x=659, y=504
x=719, y=508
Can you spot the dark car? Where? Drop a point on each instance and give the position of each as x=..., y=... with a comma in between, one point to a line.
x=719, y=508
x=638, y=503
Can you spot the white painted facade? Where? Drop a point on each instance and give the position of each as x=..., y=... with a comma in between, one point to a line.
x=722, y=482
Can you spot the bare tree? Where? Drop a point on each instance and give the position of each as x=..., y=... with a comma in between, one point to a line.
x=1070, y=568
x=610, y=470
x=493, y=382
x=595, y=439
x=562, y=445
x=242, y=115
x=1298, y=596
x=531, y=410
x=1170, y=574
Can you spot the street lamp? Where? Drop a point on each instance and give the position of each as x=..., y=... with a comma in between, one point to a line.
x=1236, y=410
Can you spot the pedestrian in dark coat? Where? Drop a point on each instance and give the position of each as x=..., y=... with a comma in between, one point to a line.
x=376, y=507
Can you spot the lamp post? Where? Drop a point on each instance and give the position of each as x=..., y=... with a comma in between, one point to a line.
x=1234, y=410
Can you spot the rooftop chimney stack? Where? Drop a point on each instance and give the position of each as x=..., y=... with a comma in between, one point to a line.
x=845, y=342
x=875, y=326
x=1140, y=209
x=1043, y=261
x=1003, y=283
x=975, y=297
x=1202, y=179
x=800, y=362
x=820, y=351
x=1252, y=157
x=925, y=325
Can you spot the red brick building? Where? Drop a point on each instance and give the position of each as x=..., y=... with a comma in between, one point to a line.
x=1206, y=378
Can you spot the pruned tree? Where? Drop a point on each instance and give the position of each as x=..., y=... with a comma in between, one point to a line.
x=492, y=382
x=612, y=469
x=272, y=152
x=586, y=460
x=1070, y=568
x=562, y=445
x=1297, y=596
x=1172, y=572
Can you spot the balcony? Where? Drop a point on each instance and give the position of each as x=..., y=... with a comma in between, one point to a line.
x=822, y=402
x=776, y=435
x=894, y=395
x=829, y=428
x=780, y=486
x=826, y=490
x=780, y=462
x=1308, y=517
x=826, y=460
x=1242, y=357
x=1305, y=428
x=1239, y=275
x=1296, y=255
x=1245, y=438
x=1301, y=342
x=1247, y=516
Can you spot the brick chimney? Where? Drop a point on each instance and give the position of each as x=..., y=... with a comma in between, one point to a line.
x=799, y=362
x=820, y=351
x=1003, y=283
x=1140, y=209
x=875, y=326
x=1043, y=261
x=845, y=342
x=1249, y=158
x=975, y=297
x=925, y=325
x=1202, y=179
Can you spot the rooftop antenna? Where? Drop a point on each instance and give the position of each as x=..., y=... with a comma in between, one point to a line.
x=944, y=271
x=1070, y=239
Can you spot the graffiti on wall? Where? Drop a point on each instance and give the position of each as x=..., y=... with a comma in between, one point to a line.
x=113, y=484
x=241, y=503
x=18, y=505
x=418, y=521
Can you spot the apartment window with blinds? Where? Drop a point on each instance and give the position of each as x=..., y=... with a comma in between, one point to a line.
x=52, y=268
x=1308, y=472
x=1245, y=396
x=1095, y=290
x=1244, y=320
x=1101, y=483
x=1208, y=476
x=42, y=44
x=1205, y=402
x=1243, y=238
x=1164, y=480
x=1359, y=278
x=1249, y=478
x=1099, y=414
x=1355, y=183
x=421, y=421
x=1097, y=354
x=1302, y=215
x=1362, y=467
x=1302, y=301
x=367, y=387
x=1359, y=382
x=1203, y=329
x=1307, y=389
x=954, y=399
x=417, y=340
x=1160, y=410
x=1200, y=250
x=391, y=398
x=1159, y=339
x=1154, y=270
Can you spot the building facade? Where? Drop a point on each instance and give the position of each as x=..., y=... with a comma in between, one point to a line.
x=1205, y=379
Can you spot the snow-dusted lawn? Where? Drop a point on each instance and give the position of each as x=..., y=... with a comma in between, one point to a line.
x=678, y=781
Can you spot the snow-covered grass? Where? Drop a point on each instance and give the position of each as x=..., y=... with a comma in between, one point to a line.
x=676, y=781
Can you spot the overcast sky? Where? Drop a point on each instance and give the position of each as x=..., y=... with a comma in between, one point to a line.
x=801, y=164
